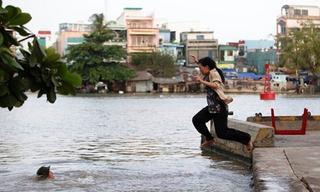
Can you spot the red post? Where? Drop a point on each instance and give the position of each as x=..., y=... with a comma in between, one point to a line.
x=301, y=131
x=273, y=119
x=267, y=94
x=304, y=121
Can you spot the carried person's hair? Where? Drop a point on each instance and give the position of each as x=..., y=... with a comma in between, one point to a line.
x=207, y=61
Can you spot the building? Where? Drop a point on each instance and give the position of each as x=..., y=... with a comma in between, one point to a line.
x=142, y=36
x=142, y=83
x=169, y=85
x=44, y=38
x=259, y=57
x=293, y=16
x=168, y=46
x=200, y=44
x=227, y=55
x=252, y=55
x=71, y=34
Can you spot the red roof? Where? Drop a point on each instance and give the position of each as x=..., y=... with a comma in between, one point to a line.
x=44, y=32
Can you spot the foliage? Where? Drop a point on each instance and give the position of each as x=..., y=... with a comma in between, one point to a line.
x=301, y=49
x=39, y=70
x=157, y=63
x=94, y=59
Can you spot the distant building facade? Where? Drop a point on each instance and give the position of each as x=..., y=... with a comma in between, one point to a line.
x=44, y=37
x=200, y=44
x=168, y=46
x=227, y=55
x=142, y=36
x=71, y=34
x=293, y=16
x=259, y=57
x=252, y=55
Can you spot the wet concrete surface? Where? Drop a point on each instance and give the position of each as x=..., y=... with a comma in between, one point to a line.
x=293, y=164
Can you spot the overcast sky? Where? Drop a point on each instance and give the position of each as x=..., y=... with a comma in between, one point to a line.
x=231, y=20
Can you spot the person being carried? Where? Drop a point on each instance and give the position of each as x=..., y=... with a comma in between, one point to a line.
x=44, y=173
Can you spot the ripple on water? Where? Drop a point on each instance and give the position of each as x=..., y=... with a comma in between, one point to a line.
x=122, y=144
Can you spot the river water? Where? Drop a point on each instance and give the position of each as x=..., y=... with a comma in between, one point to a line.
x=123, y=143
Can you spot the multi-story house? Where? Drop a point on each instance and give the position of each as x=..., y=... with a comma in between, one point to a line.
x=294, y=16
x=142, y=35
x=200, y=44
x=70, y=34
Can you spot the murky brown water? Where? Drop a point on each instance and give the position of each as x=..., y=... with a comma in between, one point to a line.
x=122, y=144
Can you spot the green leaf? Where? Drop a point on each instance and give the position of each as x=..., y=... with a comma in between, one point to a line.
x=4, y=76
x=52, y=56
x=51, y=95
x=3, y=90
x=8, y=100
x=8, y=38
x=9, y=60
x=12, y=11
x=21, y=30
x=17, y=84
x=18, y=104
x=41, y=92
x=1, y=39
x=3, y=11
x=21, y=97
x=34, y=86
x=20, y=19
x=25, y=53
x=37, y=51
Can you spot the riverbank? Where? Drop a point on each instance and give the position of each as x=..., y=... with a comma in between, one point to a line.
x=291, y=165
x=279, y=162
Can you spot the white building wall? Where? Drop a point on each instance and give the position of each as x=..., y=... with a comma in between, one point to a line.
x=312, y=10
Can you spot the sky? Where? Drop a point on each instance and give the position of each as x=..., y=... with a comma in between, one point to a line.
x=231, y=20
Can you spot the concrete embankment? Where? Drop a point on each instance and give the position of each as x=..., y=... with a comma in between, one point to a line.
x=279, y=162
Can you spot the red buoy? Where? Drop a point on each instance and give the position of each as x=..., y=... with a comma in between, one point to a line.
x=267, y=94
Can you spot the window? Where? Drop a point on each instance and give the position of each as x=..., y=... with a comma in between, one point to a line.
x=304, y=12
x=222, y=55
x=283, y=29
x=200, y=37
x=297, y=12
x=230, y=53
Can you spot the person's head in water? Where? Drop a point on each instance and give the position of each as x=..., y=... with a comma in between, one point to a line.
x=206, y=64
x=45, y=173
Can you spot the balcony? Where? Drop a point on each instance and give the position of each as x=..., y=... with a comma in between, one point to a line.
x=141, y=48
x=143, y=31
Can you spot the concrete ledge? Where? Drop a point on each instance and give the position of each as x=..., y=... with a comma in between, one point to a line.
x=286, y=169
x=288, y=122
x=261, y=135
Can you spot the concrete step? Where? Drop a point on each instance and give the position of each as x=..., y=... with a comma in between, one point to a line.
x=261, y=135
